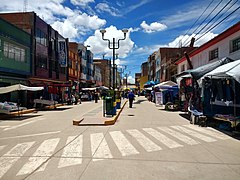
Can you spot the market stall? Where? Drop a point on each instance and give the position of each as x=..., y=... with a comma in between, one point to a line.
x=167, y=93
x=221, y=93
x=9, y=107
x=188, y=81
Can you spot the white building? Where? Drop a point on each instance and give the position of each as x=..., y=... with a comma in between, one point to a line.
x=226, y=44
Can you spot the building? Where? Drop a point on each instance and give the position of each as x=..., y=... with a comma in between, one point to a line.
x=167, y=58
x=152, y=67
x=105, y=67
x=15, y=58
x=74, y=73
x=49, y=55
x=137, y=80
x=144, y=74
x=90, y=74
x=97, y=75
x=226, y=44
x=86, y=67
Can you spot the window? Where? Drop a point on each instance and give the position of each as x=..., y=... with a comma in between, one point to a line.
x=213, y=54
x=41, y=37
x=182, y=67
x=235, y=45
x=42, y=61
x=14, y=52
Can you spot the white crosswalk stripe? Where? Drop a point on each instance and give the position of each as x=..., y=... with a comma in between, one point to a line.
x=194, y=134
x=8, y=159
x=124, y=146
x=162, y=138
x=72, y=153
x=215, y=134
x=99, y=147
x=145, y=142
x=40, y=156
x=179, y=136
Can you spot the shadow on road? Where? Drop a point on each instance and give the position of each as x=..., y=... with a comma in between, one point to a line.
x=18, y=118
x=57, y=109
x=139, y=101
x=184, y=115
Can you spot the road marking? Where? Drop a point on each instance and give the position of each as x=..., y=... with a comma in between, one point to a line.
x=40, y=156
x=99, y=147
x=194, y=134
x=72, y=153
x=20, y=125
x=124, y=146
x=179, y=136
x=162, y=138
x=31, y=135
x=145, y=142
x=4, y=126
x=209, y=132
x=8, y=159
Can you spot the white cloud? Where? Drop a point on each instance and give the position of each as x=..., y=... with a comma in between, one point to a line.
x=131, y=79
x=134, y=29
x=104, y=7
x=185, y=40
x=78, y=24
x=81, y=2
x=153, y=27
x=70, y=23
x=66, y=29
x=99, y=46
x=136, y=5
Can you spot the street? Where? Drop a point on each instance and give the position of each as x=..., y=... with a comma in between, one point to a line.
x=146, y=142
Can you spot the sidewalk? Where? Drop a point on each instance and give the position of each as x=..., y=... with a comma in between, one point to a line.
x=96, y=116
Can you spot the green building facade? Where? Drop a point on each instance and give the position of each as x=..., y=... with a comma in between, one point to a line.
x=15, y=58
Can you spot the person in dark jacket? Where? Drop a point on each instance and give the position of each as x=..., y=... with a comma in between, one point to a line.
x=131, y=97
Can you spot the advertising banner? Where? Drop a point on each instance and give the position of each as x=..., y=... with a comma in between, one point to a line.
x=62, y=53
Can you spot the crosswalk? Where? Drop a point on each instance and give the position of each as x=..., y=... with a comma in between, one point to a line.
x=101, y=146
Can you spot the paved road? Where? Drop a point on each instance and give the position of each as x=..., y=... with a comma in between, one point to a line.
x=145, y=143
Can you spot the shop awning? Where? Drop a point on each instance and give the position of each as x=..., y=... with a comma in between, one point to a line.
x=231, y=70
x=18, y=87
x=202, y=70
x=166, y=83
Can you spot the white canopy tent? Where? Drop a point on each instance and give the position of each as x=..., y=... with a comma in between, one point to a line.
x=166, y=83
x=230, y=70
x=18, y=87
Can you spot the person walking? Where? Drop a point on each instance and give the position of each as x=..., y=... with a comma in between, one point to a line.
x=131, y=97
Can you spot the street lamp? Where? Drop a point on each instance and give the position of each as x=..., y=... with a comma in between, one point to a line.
x=114, y=46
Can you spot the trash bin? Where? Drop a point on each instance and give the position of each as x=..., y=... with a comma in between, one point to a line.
x=118, y=105
x=109, y=105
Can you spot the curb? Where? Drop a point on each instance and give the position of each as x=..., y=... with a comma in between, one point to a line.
x=112, y=121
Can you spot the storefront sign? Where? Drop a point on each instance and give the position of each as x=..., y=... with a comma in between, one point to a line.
x=62, y=53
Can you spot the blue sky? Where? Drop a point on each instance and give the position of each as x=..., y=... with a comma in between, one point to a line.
x=151, y=23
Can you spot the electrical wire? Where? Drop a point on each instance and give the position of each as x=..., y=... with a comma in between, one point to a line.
x=197, y=19
x=218, y=23
x=207, y=24
x=203, y=21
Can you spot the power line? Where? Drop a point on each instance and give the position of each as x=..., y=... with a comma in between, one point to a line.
x=208, y=23
x=218, y=23
x=197, y=19
x=204, y=20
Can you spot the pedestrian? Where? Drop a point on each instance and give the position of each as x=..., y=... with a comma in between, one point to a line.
x=131, y=97
x=96, y=96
